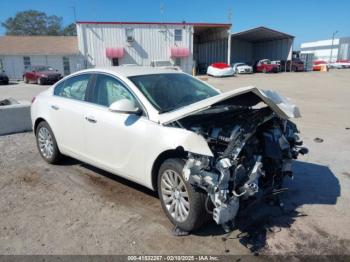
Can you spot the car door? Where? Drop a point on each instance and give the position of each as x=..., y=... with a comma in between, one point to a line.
x=114, y=141
x=67, y=111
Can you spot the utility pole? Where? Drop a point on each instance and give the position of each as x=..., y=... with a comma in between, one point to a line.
x=330, y=59
x=229, y=17
x=74, y=13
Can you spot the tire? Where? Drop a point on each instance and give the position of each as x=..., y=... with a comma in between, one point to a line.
x=39, y=81
x=171, y=170
x=44, y=135
x=264, y=70
x=25, y=79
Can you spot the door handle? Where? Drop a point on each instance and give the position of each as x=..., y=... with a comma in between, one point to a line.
x=91, y=119
x=55, y=107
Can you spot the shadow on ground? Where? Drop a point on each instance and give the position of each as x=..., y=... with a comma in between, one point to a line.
x=312, y=184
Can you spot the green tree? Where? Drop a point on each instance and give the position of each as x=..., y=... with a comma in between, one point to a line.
x=33, y=22
x=70, y=30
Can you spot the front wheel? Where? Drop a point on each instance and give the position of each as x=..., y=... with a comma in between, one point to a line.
x=40, y=81
x=183, y=205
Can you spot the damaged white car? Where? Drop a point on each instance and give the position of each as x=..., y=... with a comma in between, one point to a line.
x=204, y=151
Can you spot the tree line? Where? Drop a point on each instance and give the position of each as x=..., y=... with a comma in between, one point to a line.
x=32, y=22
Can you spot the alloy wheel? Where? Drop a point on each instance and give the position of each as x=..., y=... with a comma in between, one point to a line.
x=45, y=142
x=175, y=195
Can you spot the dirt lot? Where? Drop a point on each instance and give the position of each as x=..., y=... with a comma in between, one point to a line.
x=77, y=209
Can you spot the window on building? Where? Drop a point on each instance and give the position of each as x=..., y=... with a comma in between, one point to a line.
x=177, y=61
x=178, y=34
x=26, y=62
x=129, y=34
x=115, y=61
x=66, y=65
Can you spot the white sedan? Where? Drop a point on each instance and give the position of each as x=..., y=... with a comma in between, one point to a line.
x=203, y=151
x=242, y=68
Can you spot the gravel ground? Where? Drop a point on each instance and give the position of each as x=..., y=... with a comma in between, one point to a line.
x=74, y=208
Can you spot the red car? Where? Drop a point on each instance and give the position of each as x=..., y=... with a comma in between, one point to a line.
x=41, y=75
x=318, y=64
x=265, y=66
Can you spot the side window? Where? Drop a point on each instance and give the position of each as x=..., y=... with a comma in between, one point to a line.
x=178, y=34
x=108, y=90
x=74, y=87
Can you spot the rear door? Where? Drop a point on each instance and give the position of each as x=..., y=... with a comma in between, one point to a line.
x=67, y=110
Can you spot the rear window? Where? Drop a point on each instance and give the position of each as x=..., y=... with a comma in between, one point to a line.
x=74, y=87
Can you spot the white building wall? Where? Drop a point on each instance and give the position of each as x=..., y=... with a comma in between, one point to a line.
x=151, y=42
x=14, y=64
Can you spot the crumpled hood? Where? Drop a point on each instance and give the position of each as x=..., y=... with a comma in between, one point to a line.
x=280, y=105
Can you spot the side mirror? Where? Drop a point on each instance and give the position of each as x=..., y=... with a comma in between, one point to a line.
x=125, y=106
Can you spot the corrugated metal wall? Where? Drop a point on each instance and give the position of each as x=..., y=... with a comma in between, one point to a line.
x=151, y=42
x=211, y=52
x=273, y=50
x=243, y=51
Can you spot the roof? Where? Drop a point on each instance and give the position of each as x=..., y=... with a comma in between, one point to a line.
x=38, y=45
x=261, y=34
x=132, y=70
x=155, y=23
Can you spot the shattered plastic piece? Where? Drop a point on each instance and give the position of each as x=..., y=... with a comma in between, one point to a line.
x=178, y=232
x=318, y=140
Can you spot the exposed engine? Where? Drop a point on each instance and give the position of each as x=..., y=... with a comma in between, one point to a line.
x=253, y=150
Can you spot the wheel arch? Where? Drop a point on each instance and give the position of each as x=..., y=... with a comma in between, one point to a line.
x=37, y=122
x=178, y=152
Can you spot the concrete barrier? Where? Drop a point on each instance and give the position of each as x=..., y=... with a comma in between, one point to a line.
x=15, y=117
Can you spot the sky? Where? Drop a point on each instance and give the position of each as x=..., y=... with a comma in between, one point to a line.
x=307, y=20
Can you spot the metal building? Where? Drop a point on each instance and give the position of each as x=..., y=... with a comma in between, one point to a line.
x=329, y=50
x=187, y=45
x=17, y=53
x=261, y=43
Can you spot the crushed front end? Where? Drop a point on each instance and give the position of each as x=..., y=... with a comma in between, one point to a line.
x=253, y=150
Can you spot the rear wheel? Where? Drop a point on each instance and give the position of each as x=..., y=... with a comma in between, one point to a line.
x=46, y=143
x=264, y=70
x=25, y=79
x=39, y=81
x=183, y=205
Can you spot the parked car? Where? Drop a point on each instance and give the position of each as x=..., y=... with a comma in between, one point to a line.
x=297, y=65
x=41, y=75
x=265, y=66
x=242, y=68
x=220, y=69
x=319, y=64
x=4, y=79
x=202, y=150
x=340, y=64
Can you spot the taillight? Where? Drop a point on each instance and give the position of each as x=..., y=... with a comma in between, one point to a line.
x=33, y=99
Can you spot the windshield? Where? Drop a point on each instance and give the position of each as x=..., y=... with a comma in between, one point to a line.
x=43, y=68
x=169, y=92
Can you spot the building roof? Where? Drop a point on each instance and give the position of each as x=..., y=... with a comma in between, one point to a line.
x=156, y=23
x=38, y=45
x=261, y=34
